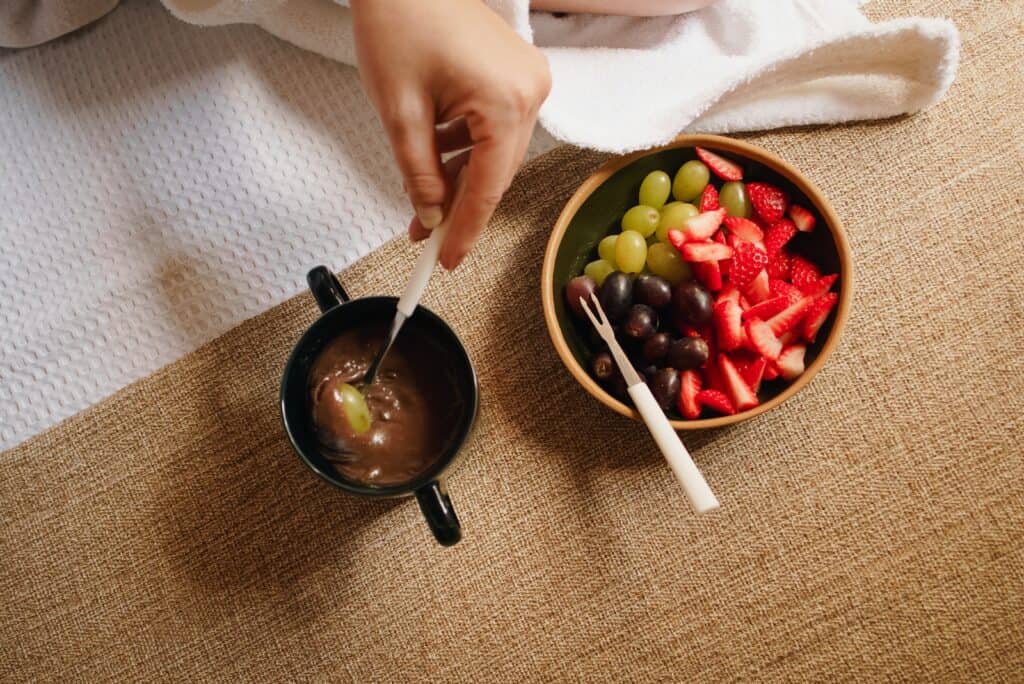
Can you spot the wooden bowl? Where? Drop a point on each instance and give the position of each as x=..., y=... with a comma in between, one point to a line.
x=595, y=210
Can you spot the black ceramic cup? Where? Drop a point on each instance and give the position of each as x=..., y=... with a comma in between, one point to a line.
x=339, y=314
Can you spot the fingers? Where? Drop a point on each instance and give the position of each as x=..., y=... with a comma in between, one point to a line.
x=488, y=171
x=417, y=231
x=412, y=135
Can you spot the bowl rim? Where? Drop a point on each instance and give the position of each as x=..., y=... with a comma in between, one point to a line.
x=728, y=146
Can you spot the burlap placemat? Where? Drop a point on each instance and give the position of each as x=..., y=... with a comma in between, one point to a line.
x=872, y=526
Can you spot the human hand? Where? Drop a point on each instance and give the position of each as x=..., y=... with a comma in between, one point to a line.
x=458, y=65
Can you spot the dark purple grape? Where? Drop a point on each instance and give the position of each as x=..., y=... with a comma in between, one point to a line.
x=616, y=295
x=580, y=286
x=648, y=371
x=665, y=387
x=604, y=366
x=692, y=302
x=656, y=347
x=618, y=387
x=641, y=322
x=652, y=290
x=687, y=353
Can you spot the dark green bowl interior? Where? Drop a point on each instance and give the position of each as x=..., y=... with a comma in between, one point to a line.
x=600, y=213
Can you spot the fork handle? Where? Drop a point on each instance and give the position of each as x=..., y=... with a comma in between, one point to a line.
x=702, y=499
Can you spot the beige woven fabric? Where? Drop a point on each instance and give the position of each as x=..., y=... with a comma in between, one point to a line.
x=872, y=528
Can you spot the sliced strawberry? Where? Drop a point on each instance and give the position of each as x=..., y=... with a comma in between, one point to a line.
x=703, y=226
x=768, y=201
x=728, y=293
x=771, y=371
x=748, y=260
x=689, y=386
x=817, y=314
x=720, y=166
x=758, y=289
x=778, y=234
x=762, y=339
x=821, y=285
x=705, y=251
x=778, y=265
x=767, y=308
x=740, y=393
x=728, y=326
x=803, y=272
x=744, y=229
x=802, y=218
x=753, y=373
x=709, y=274
x=709, y=198
x=724, y=264
x=791, y=361
x=676, y=238
x=789, y=337
x=744, y=302
x=716, y=401
x=780, y=288
x=788, y=318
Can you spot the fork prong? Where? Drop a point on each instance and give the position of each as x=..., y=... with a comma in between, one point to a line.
x=600, y=311
x=590, y=314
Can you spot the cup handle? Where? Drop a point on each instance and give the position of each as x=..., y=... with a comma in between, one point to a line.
x=437, y=509
x=326, y=289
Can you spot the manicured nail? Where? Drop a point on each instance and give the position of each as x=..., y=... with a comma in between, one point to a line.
x=430, y=217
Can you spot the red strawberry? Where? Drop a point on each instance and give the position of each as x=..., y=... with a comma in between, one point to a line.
x=744, y=302
x=676, y=238
x=788, y=318
x=821, y=285
x=778, y=265
x=728, y=293
x=689, y=386
x=803, y=218
x=771, y=371
x=768, y=201
x=747, y=261
x=778, y=234
x=791, y=361
x=703, y=226
x=716, y=401
x=789, y=337
x=817, y=314
x=754, y=372
x=740, y=393
x=758, y=290
x=744, y=229
x=722, y=167
x=709, y=198
x=780, y=288
x=705, y=251
x=762, y=339
x=803, y=272
x=767, y=308
x=709, y=274
x=724, y=264
x=728, y=326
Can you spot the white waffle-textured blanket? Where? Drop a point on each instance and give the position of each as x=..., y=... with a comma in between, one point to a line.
x=159, y=184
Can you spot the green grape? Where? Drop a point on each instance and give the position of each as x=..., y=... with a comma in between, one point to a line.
x=642, y=219
x=655, y=188
x=630, y=252
x=606, y=248
x=353, y=403
x=599, y=270
x=651, y=239
x=690, y=180
x=665, y=261
x=733, y=196
x=672, y=216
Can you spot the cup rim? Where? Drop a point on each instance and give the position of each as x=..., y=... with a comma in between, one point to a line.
x=434, y=472
x=729, y=146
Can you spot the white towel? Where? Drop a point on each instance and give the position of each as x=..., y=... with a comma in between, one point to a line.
x=624, y=83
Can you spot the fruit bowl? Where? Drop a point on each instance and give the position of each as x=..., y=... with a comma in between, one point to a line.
x=597, y=208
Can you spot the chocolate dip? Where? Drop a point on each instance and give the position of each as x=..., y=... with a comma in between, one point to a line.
x=414, y=401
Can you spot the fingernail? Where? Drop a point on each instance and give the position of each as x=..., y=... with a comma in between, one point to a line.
x=430, y=217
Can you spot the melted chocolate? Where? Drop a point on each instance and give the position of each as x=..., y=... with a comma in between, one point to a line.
x=414, y=401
